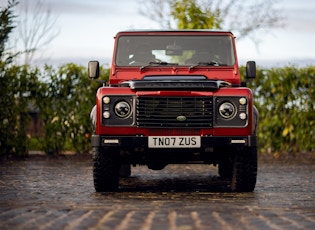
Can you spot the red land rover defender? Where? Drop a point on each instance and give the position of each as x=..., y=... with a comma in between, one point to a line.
x=174, y=97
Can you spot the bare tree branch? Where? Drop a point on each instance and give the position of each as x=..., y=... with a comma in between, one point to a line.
x=36, y=29
x=158, y=11
x=244, y=17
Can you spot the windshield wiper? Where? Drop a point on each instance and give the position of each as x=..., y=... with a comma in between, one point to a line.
x=157, y=63
x=211, y=63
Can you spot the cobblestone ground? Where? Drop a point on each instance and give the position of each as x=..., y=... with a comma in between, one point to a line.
x=58, y=194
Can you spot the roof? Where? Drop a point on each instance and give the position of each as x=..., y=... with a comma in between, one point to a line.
x=150, y=31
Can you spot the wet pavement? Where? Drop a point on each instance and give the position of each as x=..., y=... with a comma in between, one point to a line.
x=58, y=193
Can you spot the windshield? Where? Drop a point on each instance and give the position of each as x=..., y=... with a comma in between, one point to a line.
x=183, y=50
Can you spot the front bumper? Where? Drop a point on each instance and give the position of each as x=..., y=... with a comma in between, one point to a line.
x=132, y=142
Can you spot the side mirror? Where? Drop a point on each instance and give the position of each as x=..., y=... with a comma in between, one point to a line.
x=94, y=69
x=250, y=69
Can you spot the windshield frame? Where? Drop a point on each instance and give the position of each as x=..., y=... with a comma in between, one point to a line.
x=174, y=49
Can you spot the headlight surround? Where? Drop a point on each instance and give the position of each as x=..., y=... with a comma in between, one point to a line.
x=122, y=109
x=118, y=110
x=227, y=110
x=231, y=111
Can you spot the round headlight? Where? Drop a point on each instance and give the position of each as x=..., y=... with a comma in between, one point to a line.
x=122, y=109
x=227, y=110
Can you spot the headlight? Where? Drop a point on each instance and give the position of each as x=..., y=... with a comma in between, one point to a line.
x=231, y=111
x=227, y=110
x=122, y=109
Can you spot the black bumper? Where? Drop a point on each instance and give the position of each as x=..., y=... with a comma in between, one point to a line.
x=132, y=142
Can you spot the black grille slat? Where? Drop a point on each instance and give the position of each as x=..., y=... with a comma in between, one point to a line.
x=163, y=111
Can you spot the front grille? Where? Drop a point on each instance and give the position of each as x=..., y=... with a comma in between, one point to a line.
x=183, y=112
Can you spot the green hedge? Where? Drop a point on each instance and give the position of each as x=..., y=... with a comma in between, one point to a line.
x=16, y=83
x=63, y=98
x=285, y=100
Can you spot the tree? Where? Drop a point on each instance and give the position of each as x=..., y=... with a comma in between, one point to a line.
x=36, y=28
x=243, y=17
x=188, y=15
x=6, y=27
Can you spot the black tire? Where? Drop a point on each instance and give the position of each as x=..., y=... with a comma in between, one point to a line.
x=105, y=169
x=225, y=169
x=244, y=173
x=125, y=170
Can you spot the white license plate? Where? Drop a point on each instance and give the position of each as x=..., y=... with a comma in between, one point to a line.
x=174, y=142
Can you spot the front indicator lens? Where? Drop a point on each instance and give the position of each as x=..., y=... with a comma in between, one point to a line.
x=227, y=110
x=243, y=101
x=106, y=114
x=243, y=116
x=122, y=109
x=106, y=100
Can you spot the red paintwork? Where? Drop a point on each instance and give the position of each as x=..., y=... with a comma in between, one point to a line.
x=230, y=74
x=239, y=91
x=120, y=74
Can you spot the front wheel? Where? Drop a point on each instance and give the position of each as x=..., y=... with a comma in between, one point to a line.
x=125, y=170
x=225, y=170
x=105, y=169
x=244, y=171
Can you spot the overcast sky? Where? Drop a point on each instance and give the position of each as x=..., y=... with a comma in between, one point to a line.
x=87, y=29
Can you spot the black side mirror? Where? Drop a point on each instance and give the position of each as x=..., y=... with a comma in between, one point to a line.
x=94, y=69
x=250, y=69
